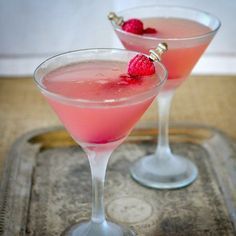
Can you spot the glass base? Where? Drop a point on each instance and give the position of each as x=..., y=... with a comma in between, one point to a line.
x=164, y=173
x=100, y=229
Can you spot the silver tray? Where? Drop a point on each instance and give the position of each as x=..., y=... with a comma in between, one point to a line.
x=46, y=185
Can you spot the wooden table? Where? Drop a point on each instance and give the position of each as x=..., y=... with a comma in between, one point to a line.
x=206, y=100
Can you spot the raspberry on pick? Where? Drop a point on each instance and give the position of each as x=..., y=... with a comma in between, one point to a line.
x=134, y=26
x=141, y=65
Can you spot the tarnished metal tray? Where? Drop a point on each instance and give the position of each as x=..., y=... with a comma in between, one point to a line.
x=46, y=185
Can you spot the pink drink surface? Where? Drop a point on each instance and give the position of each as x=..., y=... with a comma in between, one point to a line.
x=97, y=81
x=181, y=55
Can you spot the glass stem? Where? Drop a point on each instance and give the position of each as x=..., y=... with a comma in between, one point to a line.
x=164, y=104
x=98, y=163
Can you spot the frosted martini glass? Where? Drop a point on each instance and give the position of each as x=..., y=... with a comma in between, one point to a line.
x=95, y=118
x=164, y=169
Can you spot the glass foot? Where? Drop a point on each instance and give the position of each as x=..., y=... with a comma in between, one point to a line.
x=100, y=229
x=164, y=173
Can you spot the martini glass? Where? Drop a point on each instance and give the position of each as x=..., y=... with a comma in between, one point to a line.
x=86, y=91
x=187, y=32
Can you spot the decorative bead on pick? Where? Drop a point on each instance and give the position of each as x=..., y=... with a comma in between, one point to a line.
x=155, y=54
x=119, y=20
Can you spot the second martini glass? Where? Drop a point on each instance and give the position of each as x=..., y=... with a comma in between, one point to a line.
x=187, y=32
x=98, y=109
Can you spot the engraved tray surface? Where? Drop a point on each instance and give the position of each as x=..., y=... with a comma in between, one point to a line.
x=46, y=185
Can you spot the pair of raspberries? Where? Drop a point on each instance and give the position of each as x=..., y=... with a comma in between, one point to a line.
x=140, y=65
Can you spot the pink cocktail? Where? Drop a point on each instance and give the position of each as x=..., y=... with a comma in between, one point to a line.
x=187, y=32
x=98, y=107
x=98, y=81
x=181, y=57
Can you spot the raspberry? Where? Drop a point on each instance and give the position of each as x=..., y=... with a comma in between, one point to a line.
x=149, y=31
x=134, y=26
x=141, y=65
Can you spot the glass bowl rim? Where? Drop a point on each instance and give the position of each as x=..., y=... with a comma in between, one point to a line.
x=88, y=102
x=213, y=31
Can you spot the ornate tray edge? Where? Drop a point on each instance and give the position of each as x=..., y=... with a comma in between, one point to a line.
x=15, y=224
x=224, y=155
